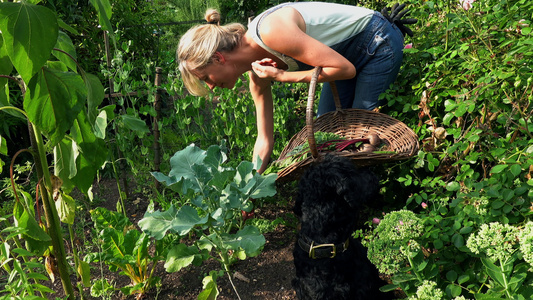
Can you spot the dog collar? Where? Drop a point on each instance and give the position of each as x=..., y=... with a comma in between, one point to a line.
x=323, y=250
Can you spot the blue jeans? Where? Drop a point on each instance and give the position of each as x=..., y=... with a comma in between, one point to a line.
x=377, y=54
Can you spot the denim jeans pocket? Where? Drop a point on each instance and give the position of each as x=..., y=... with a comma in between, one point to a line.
x=376, y=42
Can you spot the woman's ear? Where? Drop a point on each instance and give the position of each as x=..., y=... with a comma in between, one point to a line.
x=219, y=58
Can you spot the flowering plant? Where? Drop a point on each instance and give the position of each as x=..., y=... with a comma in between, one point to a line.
x=466, y=4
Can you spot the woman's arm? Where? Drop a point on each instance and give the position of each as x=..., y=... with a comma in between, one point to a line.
x=264, y=109
x=284, y=31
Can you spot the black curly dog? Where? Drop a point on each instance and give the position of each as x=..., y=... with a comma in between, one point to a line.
x=329, y=262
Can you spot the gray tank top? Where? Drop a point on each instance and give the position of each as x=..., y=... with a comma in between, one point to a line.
x=329, y=23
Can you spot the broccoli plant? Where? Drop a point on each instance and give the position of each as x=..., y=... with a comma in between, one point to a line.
x=212, y=199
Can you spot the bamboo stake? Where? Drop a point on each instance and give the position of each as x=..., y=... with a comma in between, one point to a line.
x=157, y=106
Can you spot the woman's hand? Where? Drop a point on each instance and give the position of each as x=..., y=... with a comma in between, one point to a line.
x=266, y=68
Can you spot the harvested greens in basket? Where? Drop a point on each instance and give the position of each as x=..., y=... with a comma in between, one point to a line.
x=327, y=142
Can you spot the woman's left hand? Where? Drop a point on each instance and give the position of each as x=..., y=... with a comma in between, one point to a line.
x=266, y=68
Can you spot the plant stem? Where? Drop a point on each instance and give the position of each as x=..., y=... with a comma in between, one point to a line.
x=74, y=250
x=117, y=179
x=479, y=36
x=420, y=279
x=225, y=262
x=505, y=280
x=52, y=218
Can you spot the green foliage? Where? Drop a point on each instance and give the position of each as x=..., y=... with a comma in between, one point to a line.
x=124, y=248
x=391, y=243
x=59, y=103
x=212, y=197
x=24, y=272
x=465, y=88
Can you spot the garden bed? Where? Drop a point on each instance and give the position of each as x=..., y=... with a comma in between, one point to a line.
x=267, y=276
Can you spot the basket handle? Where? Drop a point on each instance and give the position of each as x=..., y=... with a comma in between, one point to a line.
x=309, y=112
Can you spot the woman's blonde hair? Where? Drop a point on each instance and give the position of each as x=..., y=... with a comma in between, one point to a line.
x=198, y=45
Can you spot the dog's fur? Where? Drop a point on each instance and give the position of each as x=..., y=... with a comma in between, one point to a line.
x=330, y=194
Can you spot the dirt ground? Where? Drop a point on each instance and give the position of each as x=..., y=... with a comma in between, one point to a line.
x=267, y=276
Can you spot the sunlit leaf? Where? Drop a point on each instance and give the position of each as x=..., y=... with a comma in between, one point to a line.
x=210, y=291
x=252, y=241
x=3, y=146
x=37, y=240
x=100, y=125
x=84, y=271
x=135, y=124
x=66, y=208
x=104, y=218
x=30, y=32
x=265, y=186
x=65, y=154
x=183, y=161
x=64, y=43
x=53, y=101
x=181, y=256
x=95, y=96
x=93, y=153
x=103, y=8
x=180, y=222
x=498, y=169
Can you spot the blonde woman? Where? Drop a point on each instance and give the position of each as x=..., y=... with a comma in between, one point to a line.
x=358, y=48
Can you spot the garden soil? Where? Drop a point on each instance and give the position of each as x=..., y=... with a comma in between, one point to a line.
x=267, y=276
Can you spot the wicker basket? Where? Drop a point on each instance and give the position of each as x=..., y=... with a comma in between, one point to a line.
x=401, y=142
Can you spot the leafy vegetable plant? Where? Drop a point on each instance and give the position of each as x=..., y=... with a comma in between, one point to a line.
x=24, y=273
x=124, y=248
x=211, y=199
x=60, y=105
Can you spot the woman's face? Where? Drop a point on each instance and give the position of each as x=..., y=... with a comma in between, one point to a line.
x=217, y=73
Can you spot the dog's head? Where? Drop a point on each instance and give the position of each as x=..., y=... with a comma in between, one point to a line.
x=335, y=175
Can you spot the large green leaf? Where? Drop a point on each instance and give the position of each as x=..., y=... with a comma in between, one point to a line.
x=113, y=241
x=37, y=240
x=25, y=220
x=65, y=154
x=103, y=8
x=64, y=43
x=186, y=164
x=135, y=124
x=30, y=33
x=244, y=173
x=95, y=95
x=210, y=291
x=5, y=69
x=135, y=242
x=100, y=125
x=53, y=101
x=183, y=161
x=265, y=186
x=5, y=63
x=3, y=146
x=66, y=208
x=214, y=157
x=179, y=221
x=181, y=256
x=93, y=153
x=104, y=218
x=249, y=239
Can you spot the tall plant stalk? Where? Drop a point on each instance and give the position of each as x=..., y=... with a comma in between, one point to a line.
x=53, y=224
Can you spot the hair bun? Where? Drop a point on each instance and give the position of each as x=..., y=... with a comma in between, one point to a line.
x=212, y=16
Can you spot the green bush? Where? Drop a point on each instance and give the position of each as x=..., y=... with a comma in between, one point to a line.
x=465, y=88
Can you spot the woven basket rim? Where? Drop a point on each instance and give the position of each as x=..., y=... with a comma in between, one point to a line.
x=400, y=138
